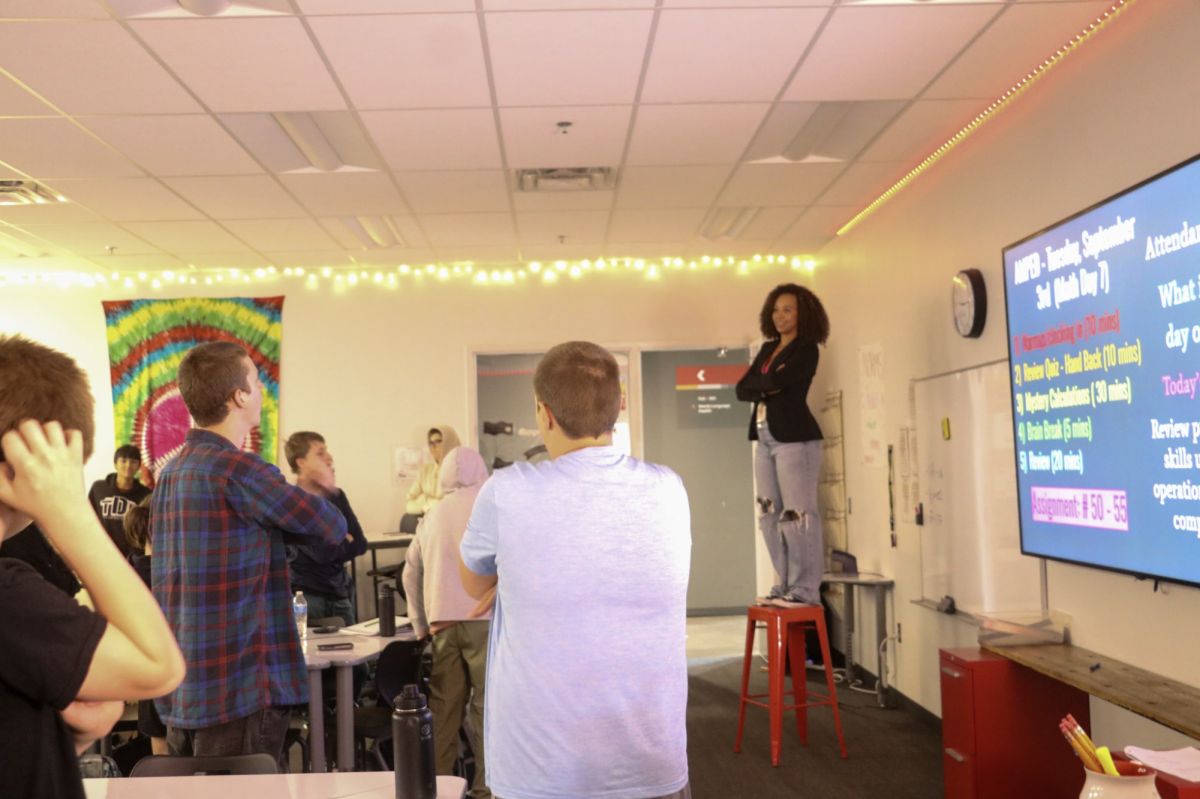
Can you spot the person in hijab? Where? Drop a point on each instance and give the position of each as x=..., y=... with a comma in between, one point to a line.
x=425, y=491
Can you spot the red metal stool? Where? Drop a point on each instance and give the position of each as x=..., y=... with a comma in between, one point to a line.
x=787, y=626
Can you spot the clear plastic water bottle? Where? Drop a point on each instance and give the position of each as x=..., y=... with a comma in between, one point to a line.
x=300, y=610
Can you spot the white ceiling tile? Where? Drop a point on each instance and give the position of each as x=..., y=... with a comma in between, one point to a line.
x=740, y=249
x=186, y=144
x=861, y=183
x=326, y=7
x=820, y=221
x=655, y=225
x=562, y=5
x=237, y=196
x=549, y=253
x=128, y=199
x=348, y=194
x=308, y=259
x=670, y=186
x=56, y=148
x=454, y=192
x=407, y=61
x=760, y=3
x=920, y=130
x=396, y=256
x=436, y=139
x=769, y=223
x=16, y=101
x=172, y=9
x=47, y=214
x=501, y=254
x=808, y=246
x=51, y=9
x=868, y=53
x=567, y=57
x=1020, y=39
x=716, y=133
x=450, y=230
x=577, y=227
x=596, y=136
x=225, y=260
x=130, y=265
x=649, y=249
x=107, y=71
x=246, y=64
x=410, y=231
x=92, y=239
x=269, y=235
x=562, y=201
x=778, y=184
x=728, y=54
x=193, y=237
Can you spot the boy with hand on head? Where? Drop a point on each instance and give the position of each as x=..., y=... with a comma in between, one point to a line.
x=65, y=670
x=589, y=555
x=117, y=493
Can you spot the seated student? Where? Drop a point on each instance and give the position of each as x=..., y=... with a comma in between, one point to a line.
x=319, y=569
x=439, y=605
x=137, y=535
x=65, y=670
x=426, y=491
x=117, y=493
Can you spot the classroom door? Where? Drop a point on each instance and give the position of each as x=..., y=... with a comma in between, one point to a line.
x=693, y=423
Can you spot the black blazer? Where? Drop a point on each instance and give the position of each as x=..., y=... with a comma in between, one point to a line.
x=784, y=390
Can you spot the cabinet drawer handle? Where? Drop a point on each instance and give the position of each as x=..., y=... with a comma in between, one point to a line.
x=956, y=755
x=951, y=672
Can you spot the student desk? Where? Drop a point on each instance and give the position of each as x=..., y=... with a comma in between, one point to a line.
x=879, y=586
x=366, y=648
x=390, y=541
x=365, y=785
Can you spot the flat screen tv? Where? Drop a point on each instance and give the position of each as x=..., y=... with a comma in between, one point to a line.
x=1103, y=313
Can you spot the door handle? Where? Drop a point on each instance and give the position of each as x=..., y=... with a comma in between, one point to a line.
x=951, y=672
x=956, y=755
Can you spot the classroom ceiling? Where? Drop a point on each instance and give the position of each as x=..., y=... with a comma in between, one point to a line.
x=306, y=133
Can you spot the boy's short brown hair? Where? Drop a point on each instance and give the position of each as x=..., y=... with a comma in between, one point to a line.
x=297, y=447
x=45, y=385
x=580, y=383
x=208, y=375
x=136, y=522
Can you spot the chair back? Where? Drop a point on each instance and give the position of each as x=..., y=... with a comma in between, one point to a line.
x=399, y=665
x=168, y=766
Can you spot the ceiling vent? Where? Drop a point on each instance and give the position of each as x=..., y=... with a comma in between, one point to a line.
x=374, y=232
x=26, y=192
x=592, y=178
x=820, y=133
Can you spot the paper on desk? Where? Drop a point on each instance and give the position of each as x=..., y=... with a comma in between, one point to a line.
x=1184, y=763
x=371, y=628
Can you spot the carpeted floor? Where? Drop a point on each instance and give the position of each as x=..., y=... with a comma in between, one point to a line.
x=893, y=754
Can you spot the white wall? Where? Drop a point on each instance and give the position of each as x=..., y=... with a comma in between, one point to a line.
x=1118, y=111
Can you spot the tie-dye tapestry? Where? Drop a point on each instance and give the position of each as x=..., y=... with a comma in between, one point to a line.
x=146, y=341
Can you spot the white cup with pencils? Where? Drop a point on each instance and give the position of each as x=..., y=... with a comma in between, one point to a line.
x=1105, y=778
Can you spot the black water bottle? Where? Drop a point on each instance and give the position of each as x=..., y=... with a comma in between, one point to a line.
x=412, y=746
x=387, y=612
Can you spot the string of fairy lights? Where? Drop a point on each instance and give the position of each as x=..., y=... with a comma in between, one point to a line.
x=395, y=277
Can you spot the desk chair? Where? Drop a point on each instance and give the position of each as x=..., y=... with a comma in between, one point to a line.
x=168, y=766
x=399, y=665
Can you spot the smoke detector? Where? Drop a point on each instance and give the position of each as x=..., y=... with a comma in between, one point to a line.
x=590, y=178
x=26, y=192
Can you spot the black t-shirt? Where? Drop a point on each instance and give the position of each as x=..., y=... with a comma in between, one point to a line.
x=47, y=641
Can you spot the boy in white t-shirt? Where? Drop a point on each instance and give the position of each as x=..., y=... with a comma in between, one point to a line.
x=589, y=555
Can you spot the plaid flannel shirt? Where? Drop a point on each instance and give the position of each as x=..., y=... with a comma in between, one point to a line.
x=220, y=519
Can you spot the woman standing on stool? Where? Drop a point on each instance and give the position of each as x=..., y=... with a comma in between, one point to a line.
x=788, y=455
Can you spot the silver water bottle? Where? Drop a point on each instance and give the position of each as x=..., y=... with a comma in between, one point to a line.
x=412, y=746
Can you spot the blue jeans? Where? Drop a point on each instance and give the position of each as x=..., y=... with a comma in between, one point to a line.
x=786, y=475
x=319, y=608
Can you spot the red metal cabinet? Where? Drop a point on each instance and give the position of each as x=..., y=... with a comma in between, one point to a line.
x=1000, y=736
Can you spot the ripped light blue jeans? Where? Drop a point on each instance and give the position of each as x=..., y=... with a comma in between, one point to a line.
x=786, y=475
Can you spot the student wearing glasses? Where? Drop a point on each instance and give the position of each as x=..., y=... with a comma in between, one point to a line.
x=426, y=491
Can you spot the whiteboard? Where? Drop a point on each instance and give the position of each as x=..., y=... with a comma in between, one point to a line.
x=970, y=542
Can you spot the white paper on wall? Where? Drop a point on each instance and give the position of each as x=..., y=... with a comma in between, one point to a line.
x=406, y=463
x=870, y=380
